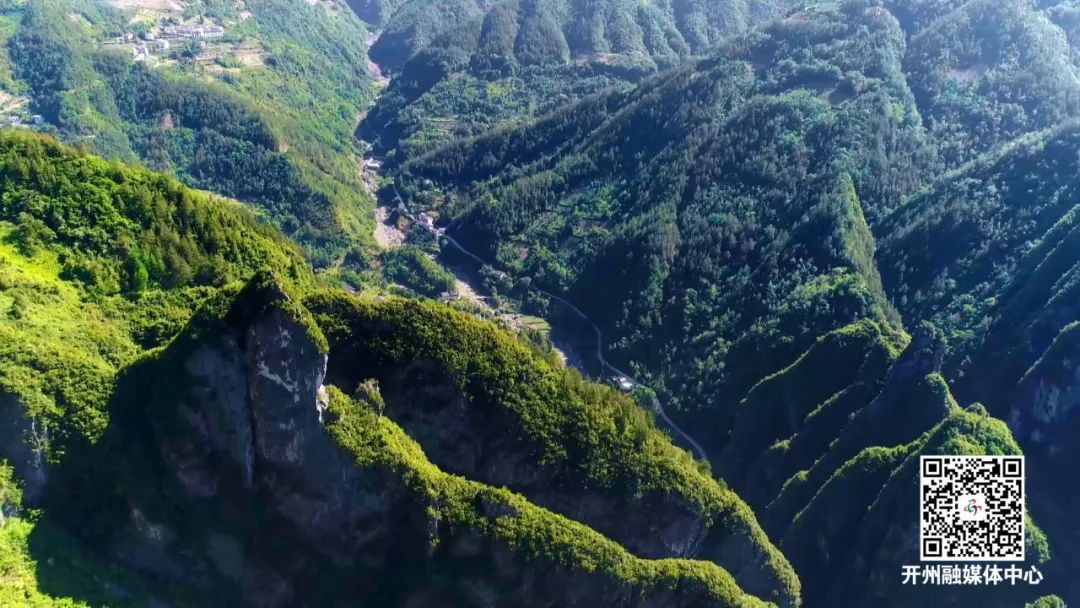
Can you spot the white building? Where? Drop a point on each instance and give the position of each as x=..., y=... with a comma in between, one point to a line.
x=200, y=31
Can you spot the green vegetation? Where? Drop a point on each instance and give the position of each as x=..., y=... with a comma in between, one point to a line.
x=707, y=269
x=41, y=566
x=812, y=238
x=577, y=430
x=466, y=66
x=99, y=261
x=754, y=229
x=273, y=134
x=504, y=37
x=534, y=533
x=414, y=268
x=862, y=507
x=152, y=407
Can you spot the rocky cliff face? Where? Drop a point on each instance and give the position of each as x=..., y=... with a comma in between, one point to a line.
x=1046, y=410
x=230, y=468
x=242, y=428
x=22, y=444
x=480, y=416
x=1045, y=416
x=474, y=442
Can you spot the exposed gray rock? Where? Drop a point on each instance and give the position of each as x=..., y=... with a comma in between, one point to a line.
x=23, y=442
x=1047, y=399
x=221, y=387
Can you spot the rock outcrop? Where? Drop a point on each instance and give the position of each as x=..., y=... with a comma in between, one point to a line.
x=1046, y=411
x=23, y=440
x=480, y=405
x=231, y=469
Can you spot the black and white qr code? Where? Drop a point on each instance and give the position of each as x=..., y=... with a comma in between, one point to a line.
x=971, y=508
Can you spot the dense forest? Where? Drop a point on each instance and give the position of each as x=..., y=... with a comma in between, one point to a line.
x=276, y=136
x=462, y=67
x=858, y=162
x=142, y=319
x=824, y=238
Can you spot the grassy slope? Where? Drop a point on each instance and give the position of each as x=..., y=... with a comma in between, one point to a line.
x=100, y=258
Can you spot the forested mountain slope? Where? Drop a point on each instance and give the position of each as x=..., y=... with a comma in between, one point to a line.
x=98, y=262
x=757, y=230
x=830, y=236
x=465, y=66
x=262, y=113
x=495, y=34
x=718, y=217
x=175, y=392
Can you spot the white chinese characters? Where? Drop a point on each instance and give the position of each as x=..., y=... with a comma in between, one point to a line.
x=969, y=574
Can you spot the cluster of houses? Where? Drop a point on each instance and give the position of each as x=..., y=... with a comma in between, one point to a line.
x=157, y=39
x=144, y=50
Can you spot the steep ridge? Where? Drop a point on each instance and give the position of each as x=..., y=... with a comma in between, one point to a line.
x=1004, y=290
x=463, y=67
x=756, y=227
x=214, y=460
x=836, y=485
x=483, y=407
x=244, y=477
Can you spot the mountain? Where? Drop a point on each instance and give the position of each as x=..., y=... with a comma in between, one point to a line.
x=824, y=239
x=739, y=228
x=261, y=112
x=463, y=67
x=494, y=34
x=185, y=404
x=345, y=496
x=757, y=232
x=99, y=263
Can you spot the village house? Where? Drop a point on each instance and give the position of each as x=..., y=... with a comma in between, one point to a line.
x=199, y=31
x=426, y=221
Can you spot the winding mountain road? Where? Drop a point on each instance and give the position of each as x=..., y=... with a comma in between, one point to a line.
x=657, y=406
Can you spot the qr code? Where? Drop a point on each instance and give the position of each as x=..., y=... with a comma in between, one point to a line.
x=971, y=508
